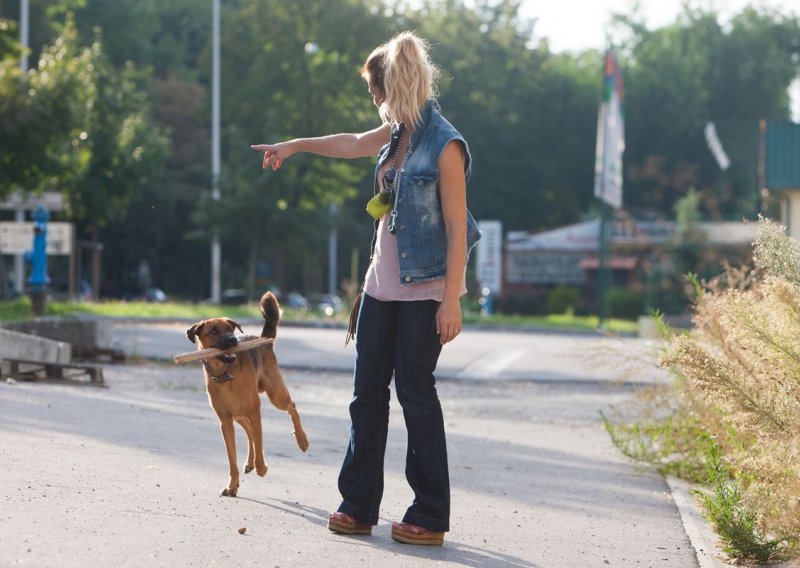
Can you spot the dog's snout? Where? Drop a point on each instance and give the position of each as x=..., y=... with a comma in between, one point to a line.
x=229, y=341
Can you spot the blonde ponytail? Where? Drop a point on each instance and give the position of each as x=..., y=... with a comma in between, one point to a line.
x=403, y=70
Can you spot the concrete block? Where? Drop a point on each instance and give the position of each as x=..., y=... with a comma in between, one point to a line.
x=80, y=332
x=15, y=345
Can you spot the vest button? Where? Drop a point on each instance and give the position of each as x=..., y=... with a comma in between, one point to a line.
x=407, y=278
x=403, y=255
x=402, y=227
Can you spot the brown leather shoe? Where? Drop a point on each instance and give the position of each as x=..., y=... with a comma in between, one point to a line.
x=412, y=534
x=342, y=523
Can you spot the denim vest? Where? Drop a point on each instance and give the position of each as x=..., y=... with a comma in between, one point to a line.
x=421, y=236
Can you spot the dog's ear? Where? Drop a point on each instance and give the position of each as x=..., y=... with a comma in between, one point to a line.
x=235, y=325
x=192, y=332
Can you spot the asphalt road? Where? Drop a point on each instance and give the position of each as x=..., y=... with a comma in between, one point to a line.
x=129, y=475
x=477, y=354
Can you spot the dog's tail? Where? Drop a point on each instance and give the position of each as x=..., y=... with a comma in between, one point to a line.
x=272, y=314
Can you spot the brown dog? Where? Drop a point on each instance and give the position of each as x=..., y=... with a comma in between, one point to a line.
x=234, y=382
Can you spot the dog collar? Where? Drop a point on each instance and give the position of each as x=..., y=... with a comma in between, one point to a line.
x=221, y=378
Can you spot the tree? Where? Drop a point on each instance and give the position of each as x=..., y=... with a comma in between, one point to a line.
x=527, y=114
x=293, y=74
x=126, y=149
x=681, y=76
x=42, y=113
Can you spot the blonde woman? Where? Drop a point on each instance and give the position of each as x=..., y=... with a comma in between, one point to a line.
x=411, y=298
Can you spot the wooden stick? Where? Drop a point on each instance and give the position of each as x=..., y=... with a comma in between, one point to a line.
x=213, y=351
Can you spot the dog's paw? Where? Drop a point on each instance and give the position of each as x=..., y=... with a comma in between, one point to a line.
x=262, y=470
x=302, y=439
x=228, y=492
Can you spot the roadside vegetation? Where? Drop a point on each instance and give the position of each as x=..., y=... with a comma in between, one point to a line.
x=730, y=420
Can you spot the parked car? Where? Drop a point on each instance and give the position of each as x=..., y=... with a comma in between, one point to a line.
x=58, y=289
x=297, y=301
x=328, y=304
x=233, y=296
x=155, y=295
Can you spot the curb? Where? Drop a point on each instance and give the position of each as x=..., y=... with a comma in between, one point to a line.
x=700, y=534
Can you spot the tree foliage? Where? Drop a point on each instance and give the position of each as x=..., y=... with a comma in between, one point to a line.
x=42, y=114
x=696, y=70
x=134, y=82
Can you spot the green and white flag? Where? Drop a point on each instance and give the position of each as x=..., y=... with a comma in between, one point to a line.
x=610, y=137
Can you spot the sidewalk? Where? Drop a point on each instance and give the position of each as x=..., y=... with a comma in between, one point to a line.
x=129, y=476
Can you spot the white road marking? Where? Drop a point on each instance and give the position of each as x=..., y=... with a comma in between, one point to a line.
x=491, y=364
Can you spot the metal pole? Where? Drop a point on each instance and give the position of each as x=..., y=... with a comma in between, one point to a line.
x=763, y=192
x=332, y=246
x=19, y=213
x=602, y=269
x=216, y=249
x=24, y=37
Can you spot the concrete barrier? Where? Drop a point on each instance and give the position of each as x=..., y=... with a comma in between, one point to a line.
x=16, y=345
x=80, y=332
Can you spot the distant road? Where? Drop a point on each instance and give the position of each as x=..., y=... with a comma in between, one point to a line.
x=476, y=355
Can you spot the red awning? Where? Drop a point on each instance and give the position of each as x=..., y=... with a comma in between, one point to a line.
x=615, y=263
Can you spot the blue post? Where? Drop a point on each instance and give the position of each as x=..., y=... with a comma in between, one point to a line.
x=486, y=301
x=39, y=280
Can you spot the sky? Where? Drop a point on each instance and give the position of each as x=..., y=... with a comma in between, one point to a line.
x=556, y=20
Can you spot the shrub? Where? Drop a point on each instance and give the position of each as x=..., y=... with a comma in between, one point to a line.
x=734, y=520
x=529, y=303
x=625, y=303
x=737, y=382
x=563, y=299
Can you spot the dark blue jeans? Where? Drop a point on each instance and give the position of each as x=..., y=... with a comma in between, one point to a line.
x=399, y=338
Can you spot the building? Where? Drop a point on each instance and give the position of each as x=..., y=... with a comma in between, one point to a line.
x=780, y=167
x=643, y=255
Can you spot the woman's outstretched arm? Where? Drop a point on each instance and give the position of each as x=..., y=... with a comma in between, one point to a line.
x=344, y=145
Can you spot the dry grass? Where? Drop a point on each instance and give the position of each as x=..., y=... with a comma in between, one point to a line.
x=738, y=385
x=743, y=362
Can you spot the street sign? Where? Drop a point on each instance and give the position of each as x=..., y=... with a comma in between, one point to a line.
x=51, y=200
x=17, y=238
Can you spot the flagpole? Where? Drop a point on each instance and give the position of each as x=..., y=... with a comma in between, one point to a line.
x=602, y=269
x=608, y=176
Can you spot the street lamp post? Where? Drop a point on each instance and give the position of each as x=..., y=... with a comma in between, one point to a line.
x=24, y=27
x=19, y=212
x=332, y=246
x=216, y=249
x=311, y=48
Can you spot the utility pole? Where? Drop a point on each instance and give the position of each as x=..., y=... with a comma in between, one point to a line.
x=216, y=249
x=19, y=212
x=333, y=268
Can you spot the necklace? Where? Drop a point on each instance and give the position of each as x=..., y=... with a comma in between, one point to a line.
x=391, y=173
x=391, y=224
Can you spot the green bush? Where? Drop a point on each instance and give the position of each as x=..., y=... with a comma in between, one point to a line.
x=528, y=303
x=625, y=304
x=563, y=299
x=737, y=381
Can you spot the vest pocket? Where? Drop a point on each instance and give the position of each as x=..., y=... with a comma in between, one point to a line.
x=424, y=180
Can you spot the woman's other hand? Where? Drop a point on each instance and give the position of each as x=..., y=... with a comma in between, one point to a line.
x=448, y=320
